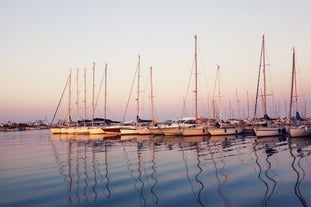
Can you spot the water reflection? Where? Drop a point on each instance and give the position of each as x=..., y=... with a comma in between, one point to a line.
x=142, y=168
x=220, y=175
x=80, y=166
x=300, y=145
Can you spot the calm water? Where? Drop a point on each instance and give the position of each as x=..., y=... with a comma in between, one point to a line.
x=38, y=169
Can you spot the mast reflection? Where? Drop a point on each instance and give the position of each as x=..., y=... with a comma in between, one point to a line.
x=82, y=177
x=107, y=191
x=297, y=168
x=266, y=148
x=204, y=169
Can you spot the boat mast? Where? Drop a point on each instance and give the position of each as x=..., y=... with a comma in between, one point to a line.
x=258, y=80
x=93, y=91
x=219, y=104
x=293, y=85
x=77, y=98
x=84, y=96
x=196, y=81
x=138, y=88
x=69, y=100
x=296, y=94
x=238, y=103
x=264, y=76
x=105, y=107
x=151, y=94
x=247, y=97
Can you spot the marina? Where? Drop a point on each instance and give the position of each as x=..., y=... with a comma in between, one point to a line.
x=43, y=169
x=155, y=104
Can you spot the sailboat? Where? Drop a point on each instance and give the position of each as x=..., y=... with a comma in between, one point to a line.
x=94, y=129
x=83, y=129
x=109, y=130
x=269, y=130
x=56, y=129
x=300, y=130
x=130, y=128
x=223, y=129
x=150, y=127
x=196, y=129
x=68, y=128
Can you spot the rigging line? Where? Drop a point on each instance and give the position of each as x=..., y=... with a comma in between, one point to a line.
x=144, y=91
x=187, y=92
x=203, y=64
x=261, y=53
x=59, y=101
x=214, y=91
x=99, y=90
x=128, y=100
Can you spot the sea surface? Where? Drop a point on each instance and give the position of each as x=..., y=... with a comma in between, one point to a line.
x=40, y=169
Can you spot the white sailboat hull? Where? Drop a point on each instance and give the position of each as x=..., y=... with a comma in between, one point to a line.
x=96, y=130
x=172, y=131
x=195, y=131
x=143, y=130
x=82, y=130
x=55, y=130
x=300, y=132
x=128, y=131
x=268, y=131
x=156, y=131
x=225, y=131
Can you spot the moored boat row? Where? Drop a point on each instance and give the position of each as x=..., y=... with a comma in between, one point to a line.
x=184, y=130
x=195, y=126
x=85, y=130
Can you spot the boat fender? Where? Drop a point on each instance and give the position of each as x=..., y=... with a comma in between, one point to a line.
x=236, y=131
x=225, y=130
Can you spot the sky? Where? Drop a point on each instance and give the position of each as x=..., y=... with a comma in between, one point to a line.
x=42, y=40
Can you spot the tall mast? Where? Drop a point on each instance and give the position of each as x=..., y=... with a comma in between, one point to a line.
x=238, y=103
x=105, y=107
x=69, y=100
x=84, y=96
x=293, y=85
x=77, y=98
x=247, y=104
x=93, y=91
x=138, y=88
x=151, y=94
x=296, y=94
x=214, y=91
x=196, y=81
x=262, y=54
x=264, y=76
x=219, y=104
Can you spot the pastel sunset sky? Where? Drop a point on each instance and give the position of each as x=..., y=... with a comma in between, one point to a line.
x=42, y=40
